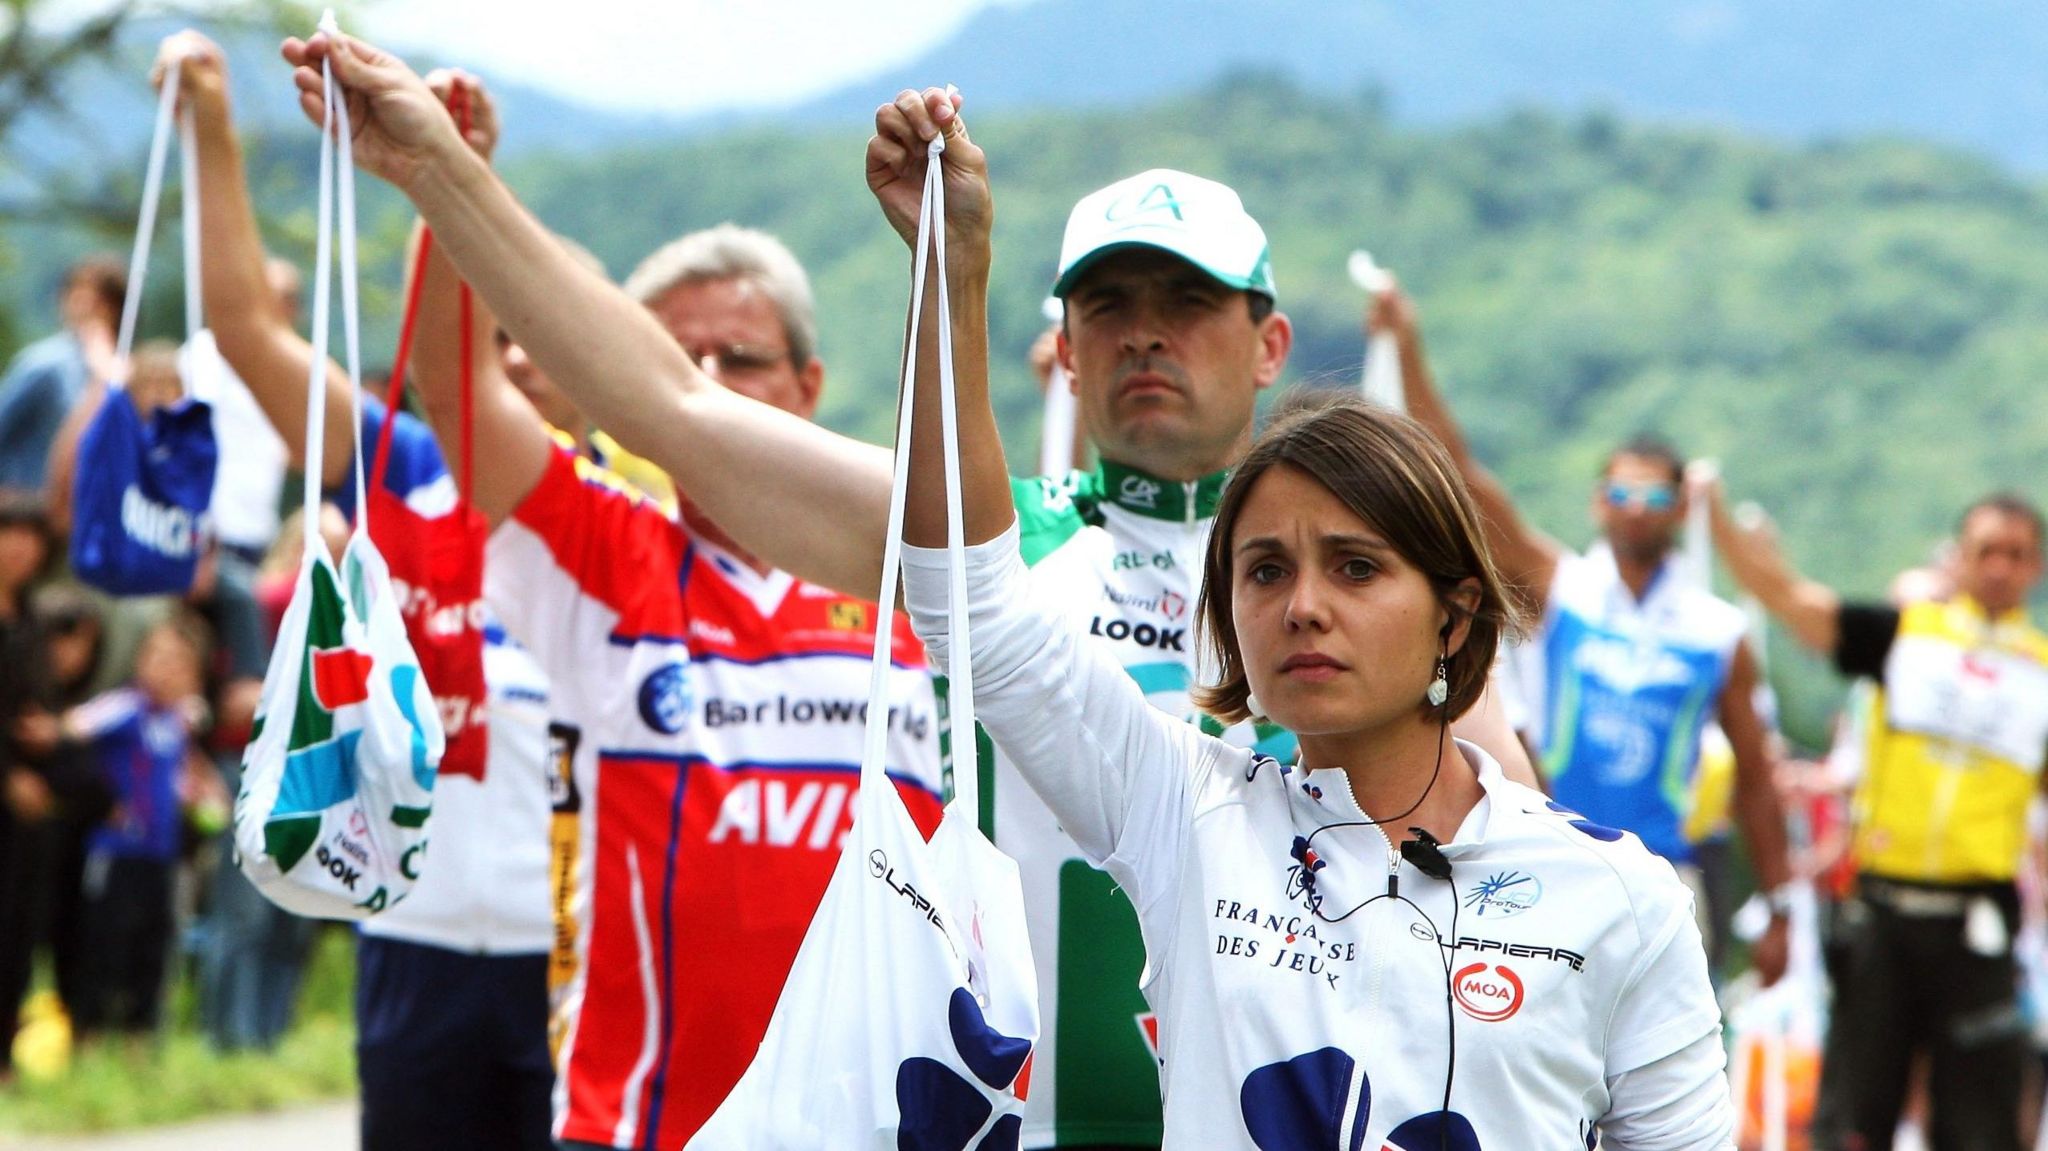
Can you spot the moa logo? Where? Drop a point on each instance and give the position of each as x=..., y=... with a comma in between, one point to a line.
x=1490, y=996
x=941, y=1110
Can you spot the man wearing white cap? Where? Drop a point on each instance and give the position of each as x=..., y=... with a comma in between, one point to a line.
x=1170, y=333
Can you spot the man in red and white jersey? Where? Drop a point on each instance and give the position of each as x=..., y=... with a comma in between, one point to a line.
x=709, y=709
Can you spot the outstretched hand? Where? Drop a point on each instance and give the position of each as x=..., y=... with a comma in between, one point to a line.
x=202, y=67
x=1389, y=311
x=399, y=126
x=453, y=85
x=897, y=159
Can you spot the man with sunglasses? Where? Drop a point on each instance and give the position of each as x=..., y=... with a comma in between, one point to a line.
x=1628, y=662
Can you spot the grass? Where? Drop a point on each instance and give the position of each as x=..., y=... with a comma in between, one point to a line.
x=112, y=1086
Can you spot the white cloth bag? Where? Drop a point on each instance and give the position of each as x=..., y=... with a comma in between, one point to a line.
x=909, y=1017
x=338, y=780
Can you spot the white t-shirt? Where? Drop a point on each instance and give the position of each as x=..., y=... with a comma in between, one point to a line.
x=484, y=890
x=1579, y=987
x=249, y=478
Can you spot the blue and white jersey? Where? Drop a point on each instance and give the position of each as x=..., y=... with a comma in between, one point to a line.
x=1627, y=686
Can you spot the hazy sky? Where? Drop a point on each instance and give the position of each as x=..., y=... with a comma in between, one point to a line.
x=665, y=55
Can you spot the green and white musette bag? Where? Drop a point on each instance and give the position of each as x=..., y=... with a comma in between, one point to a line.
x=338, y=778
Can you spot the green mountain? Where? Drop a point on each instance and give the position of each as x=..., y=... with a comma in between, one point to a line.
x=1856, y=330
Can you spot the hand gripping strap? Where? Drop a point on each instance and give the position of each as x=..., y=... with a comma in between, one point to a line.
x=337, y=177
x=931, y=242
x=458, y=103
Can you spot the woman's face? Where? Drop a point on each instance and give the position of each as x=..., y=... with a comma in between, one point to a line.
x=22, y=552
x=1338, y=633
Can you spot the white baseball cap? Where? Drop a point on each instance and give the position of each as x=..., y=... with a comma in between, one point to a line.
x=1201, y=221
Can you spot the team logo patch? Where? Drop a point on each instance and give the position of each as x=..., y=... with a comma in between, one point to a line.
x=847, y=615
x=944, y=1111
x=1488, y=994
x=1585, y=826
x=1436, y=1131
x=1504, y=893
x=665, y=699
x=1139, y=492
x=1302, y=1103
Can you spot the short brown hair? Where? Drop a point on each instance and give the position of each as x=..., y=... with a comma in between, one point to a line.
x=2010, y=504
x=107, y=276
x=1393, y=474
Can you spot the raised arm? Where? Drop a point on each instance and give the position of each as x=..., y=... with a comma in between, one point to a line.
x=896, y=165
x=730, y=455
x=1812, y=610
x=507, y=432
x=1527, y=557
x=246, y=317
x=1758, y=809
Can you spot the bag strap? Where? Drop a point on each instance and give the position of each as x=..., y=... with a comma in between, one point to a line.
x=337, y=182
x=931, y=245
x=145, y=228
x=188, y=194
x=459, y=105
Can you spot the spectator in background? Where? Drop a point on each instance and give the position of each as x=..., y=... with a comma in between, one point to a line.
x=45, y=379
x=72, y=634
x=1634, y=662
x=25, y=797
x=1953, y=758
x=141, y=735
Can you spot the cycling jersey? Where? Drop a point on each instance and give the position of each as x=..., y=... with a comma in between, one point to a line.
x=1955, y=741
x=1125, y=552
x=1627, y=686
x=711, y=720
x=1579, y=989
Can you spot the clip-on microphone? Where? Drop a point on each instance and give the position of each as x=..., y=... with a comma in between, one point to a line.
x=1426, y=854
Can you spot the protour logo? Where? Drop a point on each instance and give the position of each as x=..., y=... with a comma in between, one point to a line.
x=1488, y=995
x=1503, y=894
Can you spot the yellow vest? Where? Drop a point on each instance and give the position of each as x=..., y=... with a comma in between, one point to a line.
x=620, y=470
x=1958, y=733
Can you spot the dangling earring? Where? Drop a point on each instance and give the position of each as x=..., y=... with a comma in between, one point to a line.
x=1251, y=704
x=1440, y=687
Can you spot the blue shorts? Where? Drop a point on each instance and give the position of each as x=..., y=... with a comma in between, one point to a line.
x=452, y=1049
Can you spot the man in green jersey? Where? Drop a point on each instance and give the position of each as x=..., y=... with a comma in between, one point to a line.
x=1170, y=333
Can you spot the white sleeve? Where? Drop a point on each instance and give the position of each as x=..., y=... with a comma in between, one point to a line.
x=1116, y=771
x=1678, y=1103
x=1666, y=1070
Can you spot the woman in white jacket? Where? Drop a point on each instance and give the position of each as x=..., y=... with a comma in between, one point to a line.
x=1386, y=944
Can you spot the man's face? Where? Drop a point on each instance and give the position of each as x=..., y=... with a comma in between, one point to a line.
x=1998, y=559
x=733, y=332
x=1639, y=508
x=553, y=405
x=1167, y=362
x=81, y=304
